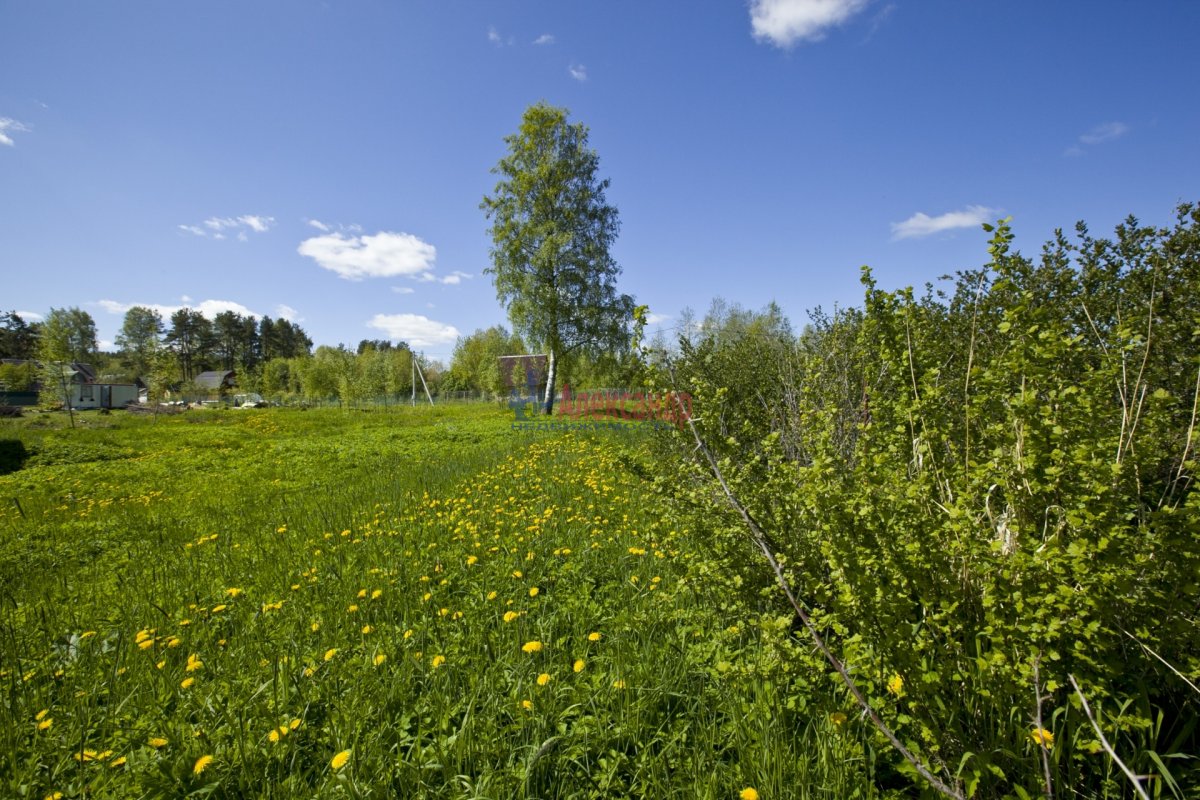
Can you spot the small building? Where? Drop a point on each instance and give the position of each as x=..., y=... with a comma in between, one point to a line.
x=102, y=395
x=216, y=380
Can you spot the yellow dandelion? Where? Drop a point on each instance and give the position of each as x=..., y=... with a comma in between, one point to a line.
x=273, y=735
x=45, y=723
x=543, y=679
x=201, y=764
x=368, y=628
x=593, y=636
x=896, y=685
x=532, y=647
x=316, y=626
x=471, y=560
x=295, y=723
x=339, y=761
x=533, y=591
x=527, y=705
x=378, y=593
x=1043, y=737
x=41, y=715
x=618, y=684
x=157, y=742
x=193, y=663
x=117, y=762
x=408, y=633
x=749, y=793
x=330, y=653
x=509, y=616
x=54, y=796
x=579, y=665
x=217, y=609
x=362, y=593
x=233, y=591
x=353, y=607
x=437, y=661
x=379, y=659
x=186, y=683
x=837, y=718
x=145, y=644
x=518, y=574
x=491, y=595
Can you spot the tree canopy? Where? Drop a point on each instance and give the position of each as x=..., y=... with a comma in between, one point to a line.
x=551, y=231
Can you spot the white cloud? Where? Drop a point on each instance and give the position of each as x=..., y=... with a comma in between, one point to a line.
x=6, y=125
x=104, y=345
x=456, y=277
x=494, y=35
x=545, y=38
x=785, y=22
x=287, y=312
x=321, y=226
x=1104, y=133
x=209, y=308
x=31, y=316
x=403, y=289
x=217, y=225
x=657, y=319
x=920, y=224
x=578, y=72
x=416, y=329
x=382, y=255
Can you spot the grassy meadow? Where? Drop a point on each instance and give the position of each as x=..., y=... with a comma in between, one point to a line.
x=381, y=603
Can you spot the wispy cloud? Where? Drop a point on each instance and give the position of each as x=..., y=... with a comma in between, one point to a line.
x=287, y=312
x=545, y=38
x=209, y=308
x=416, y=329
x=1105, y=132
x=657, y=319
x=384, y=254
x=403, y=289
x=920, y=224
x=785, y=22
x=456, y=277
x=219, y=227
x=8, y=125
x=500, y=41
x=31, y=316
x=578, y=72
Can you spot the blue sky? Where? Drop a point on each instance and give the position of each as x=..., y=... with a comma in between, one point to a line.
x=325, y=160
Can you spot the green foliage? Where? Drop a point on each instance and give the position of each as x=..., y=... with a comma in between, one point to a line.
x=140, y=339
x=475, y=366
x=965, y=485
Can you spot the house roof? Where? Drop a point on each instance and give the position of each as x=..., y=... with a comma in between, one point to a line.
x=214, y=379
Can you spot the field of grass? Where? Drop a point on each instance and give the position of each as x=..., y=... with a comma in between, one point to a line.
x=386, y=603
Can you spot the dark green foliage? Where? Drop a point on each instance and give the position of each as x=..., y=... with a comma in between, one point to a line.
x=967, y=484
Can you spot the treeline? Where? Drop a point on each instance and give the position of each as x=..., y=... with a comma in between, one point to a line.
x=981, y=496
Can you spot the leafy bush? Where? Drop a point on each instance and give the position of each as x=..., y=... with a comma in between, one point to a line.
x=983, y=492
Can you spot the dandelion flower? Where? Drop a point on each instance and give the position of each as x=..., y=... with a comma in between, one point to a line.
x=330, y=653
x=579, y=665
x=339, y=761
x=193, y=663
x=491, y=595
x=749, y=793
x=295, y=723
x=471, y=560
x=593, y=636
x=543, y=679
x=533, y=591
x=41, y=715
x=157, y=742
x=509, y=616
x=896, y=685
x=379, y=659
x=45, y=723
x=438, y=661
x=201, y=764
x=233, y=591
x=217, y=609
x=117, y=762
x=145, y=644
x=532, y=647
x=527, y=705
x=378, y=593
x=186, y=683
x=368, y=628
x=837, y=718
x=54, y=796
x=1043, y=737
x=618, y=684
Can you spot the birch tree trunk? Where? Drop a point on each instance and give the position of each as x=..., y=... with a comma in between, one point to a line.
x=551, y=376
